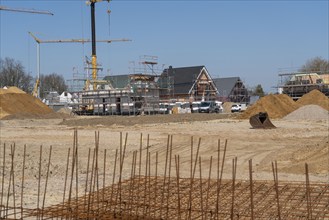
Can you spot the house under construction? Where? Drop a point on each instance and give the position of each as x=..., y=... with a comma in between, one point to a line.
x=122, y=95
x=187, y=84
x=297, y=84
x=232, y=89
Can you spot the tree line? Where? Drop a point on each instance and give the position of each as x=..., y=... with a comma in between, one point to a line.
x=12, y=73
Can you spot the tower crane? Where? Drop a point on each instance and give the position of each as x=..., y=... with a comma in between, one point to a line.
x=36, y=91
x=25, y=10
x=38, y=40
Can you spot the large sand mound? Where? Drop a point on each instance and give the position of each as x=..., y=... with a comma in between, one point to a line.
x=315, y=97
x=14, y=103
x=276, y=106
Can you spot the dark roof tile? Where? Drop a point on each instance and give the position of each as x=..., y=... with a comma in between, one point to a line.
x=225, y=85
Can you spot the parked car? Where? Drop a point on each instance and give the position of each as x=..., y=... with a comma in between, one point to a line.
x=195, y=107
x=238, y=107
x=163, y=108
x=235, y=108
x=209, y=107
x=243, y=107
x=219, y=106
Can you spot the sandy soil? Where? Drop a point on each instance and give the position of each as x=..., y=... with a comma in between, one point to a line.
x=292, y=144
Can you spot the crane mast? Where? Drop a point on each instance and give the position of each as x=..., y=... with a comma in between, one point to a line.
x=93, y=42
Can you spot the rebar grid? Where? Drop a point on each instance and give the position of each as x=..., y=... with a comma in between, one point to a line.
x=137, y=202
x=162, y=196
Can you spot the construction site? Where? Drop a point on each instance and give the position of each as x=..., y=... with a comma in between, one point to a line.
x=180, y=166
x=269, y=161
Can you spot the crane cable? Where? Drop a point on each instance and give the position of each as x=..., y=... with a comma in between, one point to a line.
x=109, y=18
x=109, y=29
x=82, y=33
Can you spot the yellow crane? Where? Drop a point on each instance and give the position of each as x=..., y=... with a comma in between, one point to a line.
x=93, y=42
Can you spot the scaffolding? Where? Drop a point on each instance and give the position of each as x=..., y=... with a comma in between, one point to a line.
x=202, y=90
x=77, y=82
x=147, y=64
x=140, y=96
x=146, y=92
x=166, y=86
x=295, y=84
x=239, y=93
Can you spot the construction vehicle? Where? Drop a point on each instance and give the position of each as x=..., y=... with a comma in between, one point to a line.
x=261, y=121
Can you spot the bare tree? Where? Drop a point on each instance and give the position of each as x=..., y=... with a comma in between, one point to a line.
x=52, y=82
x=316, y=65
x=12, y=73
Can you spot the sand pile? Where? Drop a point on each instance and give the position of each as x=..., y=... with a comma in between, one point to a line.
x=315, y=97
x=276, y=106
x=14, y=103
x=12, y=89
x=308, y=112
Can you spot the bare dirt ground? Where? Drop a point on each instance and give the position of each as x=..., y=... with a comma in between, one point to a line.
x=292, y=144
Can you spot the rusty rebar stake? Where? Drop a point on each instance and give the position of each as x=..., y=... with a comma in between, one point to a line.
x=251, y=190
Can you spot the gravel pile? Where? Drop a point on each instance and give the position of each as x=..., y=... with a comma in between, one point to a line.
x=308, y=112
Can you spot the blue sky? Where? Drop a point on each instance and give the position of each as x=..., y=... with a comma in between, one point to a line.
x=249, y=39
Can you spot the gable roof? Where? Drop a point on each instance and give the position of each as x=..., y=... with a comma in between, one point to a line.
x=183, y=78
x=225, y=85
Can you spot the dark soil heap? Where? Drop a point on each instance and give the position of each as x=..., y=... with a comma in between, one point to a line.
x=276, y=106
